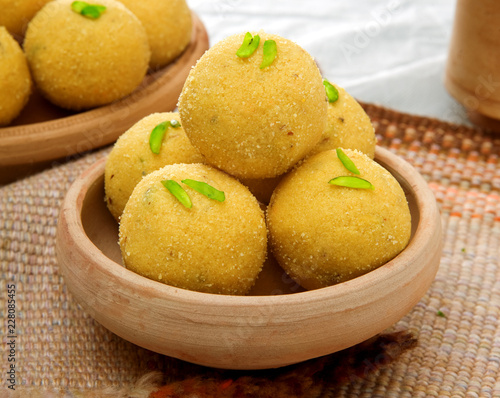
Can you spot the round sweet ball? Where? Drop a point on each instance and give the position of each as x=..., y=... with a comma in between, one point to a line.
x=249, y=121
x=16, y=14
x=79, y=62
x=132, y=157
x=15, y=79
x=168, y=25
x=323, y=234
x=214, y=246
x=348, y=126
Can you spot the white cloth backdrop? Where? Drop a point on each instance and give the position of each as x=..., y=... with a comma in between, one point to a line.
x=388, y=52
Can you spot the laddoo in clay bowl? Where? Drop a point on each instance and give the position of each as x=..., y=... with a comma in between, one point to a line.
x=306, y=249
x=95, y=69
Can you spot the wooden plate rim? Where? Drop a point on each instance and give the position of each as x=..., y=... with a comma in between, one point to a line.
x=19, y=143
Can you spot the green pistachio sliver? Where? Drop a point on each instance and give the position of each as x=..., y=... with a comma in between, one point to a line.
x=92, y=11
x=205, y=189
x=156, y=137
x=347, y=162
x=270, y=52
x=351, y=182
x=157, y=134
x=179, y=193
x=249, y=45
x=78, y=6
x=331, y=91
x=244, y=46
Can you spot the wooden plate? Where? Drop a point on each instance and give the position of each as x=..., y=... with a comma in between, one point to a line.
x=44, y=132
x=277, y=325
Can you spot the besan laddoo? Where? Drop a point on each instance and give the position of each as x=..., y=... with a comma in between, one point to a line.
x=254, y=105
x=86, y=56
x=194, y=227
x=16, y=14
x=155, y=141
x=168, y=25
x=348, y=125
x=328, y=224
x=15, y=78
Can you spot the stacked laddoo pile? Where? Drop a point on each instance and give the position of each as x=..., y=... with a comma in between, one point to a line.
x=82, y=55
x=263, y=148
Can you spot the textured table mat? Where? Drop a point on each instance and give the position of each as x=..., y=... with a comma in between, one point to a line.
x=447, y=346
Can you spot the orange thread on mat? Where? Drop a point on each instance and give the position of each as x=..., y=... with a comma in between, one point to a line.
x=225, y=384
x=163, y=392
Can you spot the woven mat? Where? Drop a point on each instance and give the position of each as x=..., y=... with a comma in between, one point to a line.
x=60, y=350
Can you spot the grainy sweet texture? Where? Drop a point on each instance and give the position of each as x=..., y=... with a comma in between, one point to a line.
x=323, y=234
x=80, y=63
x=168, y=26
x=213, y=247
x=16, y=14
x=348, y=126
x=15, y=78
x=63, y=352
x=131, y=158
x=253, y=122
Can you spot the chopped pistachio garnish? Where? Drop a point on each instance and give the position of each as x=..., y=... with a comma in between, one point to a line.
x=346, y=161
x=78, y=6
x=249, y=45
x=156, y=137
x=157, y=134
x=441, y=314
x=179, y=193
x=205, y=189
x=92, y=11
x=331, y=91
x=270, y=51
x=351, y=182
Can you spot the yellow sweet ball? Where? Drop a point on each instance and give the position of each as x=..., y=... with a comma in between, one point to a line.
x=15, y=79
x=16, y=14
x=132, y=157
x=323, y=234
x=348, y=126
x=80, y=62
x=213, y=246
x=249, y=118
x=168, y=24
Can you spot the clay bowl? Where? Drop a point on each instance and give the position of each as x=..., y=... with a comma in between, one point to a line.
x=44, y=132
x=275, y=326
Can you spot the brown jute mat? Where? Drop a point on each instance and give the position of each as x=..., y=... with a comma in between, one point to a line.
x=447, y=346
